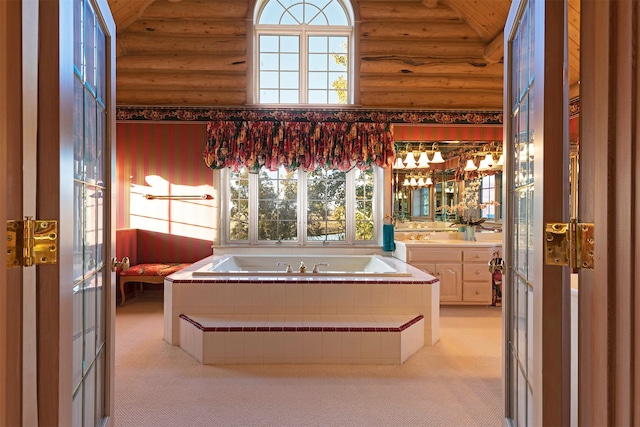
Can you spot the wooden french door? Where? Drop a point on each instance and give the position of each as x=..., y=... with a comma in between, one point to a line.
x=66, y=377
x=536, y=296
x=609, y=295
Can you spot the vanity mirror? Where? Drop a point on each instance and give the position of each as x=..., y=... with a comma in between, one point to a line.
x=430, y=177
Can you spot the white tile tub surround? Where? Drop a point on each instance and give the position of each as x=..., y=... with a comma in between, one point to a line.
x=308, y=295
x=318, y=339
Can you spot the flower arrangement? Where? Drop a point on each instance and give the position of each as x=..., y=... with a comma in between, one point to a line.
x=469, y=209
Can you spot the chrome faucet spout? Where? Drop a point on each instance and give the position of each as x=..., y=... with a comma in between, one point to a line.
x=315, y=267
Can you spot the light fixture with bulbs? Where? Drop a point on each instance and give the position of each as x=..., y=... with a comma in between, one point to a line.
x=484, y=165
x=423, y=160
x=410, y=161
x=470, y=166
x=437, y=155
x=398, y=164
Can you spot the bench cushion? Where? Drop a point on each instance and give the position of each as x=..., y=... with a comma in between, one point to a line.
x=159, y=269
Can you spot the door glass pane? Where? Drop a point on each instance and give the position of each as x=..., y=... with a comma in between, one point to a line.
x=90, y=129
x=76, y=414
x=89, y=320
x=78, y=337
x=77, y=35
x=522, y=399
x=100, y=371
x=89, y=268
x=78, y=129
x=101, y=66
x=78, y=212
x=89, y=228
x=89, y=46
x=100, y=309
x=90, y=397
x=522, y=323
x=519, y=286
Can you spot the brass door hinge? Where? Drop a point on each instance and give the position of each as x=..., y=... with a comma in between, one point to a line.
x=569, y=244
x=31, y=242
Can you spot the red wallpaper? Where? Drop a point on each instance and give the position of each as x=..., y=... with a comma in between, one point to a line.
x=163, y=159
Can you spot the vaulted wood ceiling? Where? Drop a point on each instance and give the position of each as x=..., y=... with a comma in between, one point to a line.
x=431, y=54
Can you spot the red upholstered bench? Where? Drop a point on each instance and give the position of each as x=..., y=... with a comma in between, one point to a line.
x=147, y=273
x=153, y=256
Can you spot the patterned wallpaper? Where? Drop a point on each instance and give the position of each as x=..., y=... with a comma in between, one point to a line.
x=164, y=159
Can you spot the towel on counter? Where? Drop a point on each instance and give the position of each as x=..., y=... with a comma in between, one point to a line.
x=388, y=243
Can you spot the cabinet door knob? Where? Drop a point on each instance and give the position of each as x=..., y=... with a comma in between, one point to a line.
x=477, y=292
x=477, y=256
x=477, y=271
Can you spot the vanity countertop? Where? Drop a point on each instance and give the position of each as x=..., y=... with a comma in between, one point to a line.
x=403, y=247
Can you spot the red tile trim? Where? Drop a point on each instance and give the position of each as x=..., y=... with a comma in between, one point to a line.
x=353, y=281
x=300, y=328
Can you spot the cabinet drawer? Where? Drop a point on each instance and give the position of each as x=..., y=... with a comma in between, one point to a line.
x=478, y=272
x=476, y=292
x=476, y=255
x=431, y=255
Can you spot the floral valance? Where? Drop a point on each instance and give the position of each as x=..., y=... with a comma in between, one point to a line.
x=306, y=145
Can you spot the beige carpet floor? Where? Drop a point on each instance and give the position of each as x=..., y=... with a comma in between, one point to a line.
x=455, y=383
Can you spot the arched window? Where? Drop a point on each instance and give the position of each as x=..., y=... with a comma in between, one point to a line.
x=303, y=52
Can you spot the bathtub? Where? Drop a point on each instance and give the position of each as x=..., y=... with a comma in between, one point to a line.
x=316, y=265
x=254, y=285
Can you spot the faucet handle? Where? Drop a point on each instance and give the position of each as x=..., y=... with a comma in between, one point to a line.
x=315, y=267
x=288, y=270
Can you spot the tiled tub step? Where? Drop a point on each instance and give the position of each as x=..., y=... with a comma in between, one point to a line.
x=301, y=339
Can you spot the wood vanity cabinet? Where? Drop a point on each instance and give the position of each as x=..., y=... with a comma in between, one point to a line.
x=462, y=270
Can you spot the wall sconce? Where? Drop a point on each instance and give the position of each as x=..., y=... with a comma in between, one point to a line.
x=428, y=182
x=500, y=160
x=437, y=156
x=423, y=160
x=413, y=182
x=410, y=161
x=489, y=159
x=398, y=164
x=470, y=166
x=406, y=182
x=484, y=166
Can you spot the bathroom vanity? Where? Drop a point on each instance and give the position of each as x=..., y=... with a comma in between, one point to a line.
x=461, y=266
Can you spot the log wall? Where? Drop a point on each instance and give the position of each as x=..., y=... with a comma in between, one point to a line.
x=439, y=54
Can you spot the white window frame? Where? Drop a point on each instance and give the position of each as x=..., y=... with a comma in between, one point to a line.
x=304, y=32
x=350, y=208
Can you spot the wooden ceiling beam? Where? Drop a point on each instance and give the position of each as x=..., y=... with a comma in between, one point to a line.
x=126, y=12
x=494, y=51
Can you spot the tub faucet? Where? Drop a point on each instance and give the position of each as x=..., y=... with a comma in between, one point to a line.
x=303, y=268
x=288, y=270
x=315, y=267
